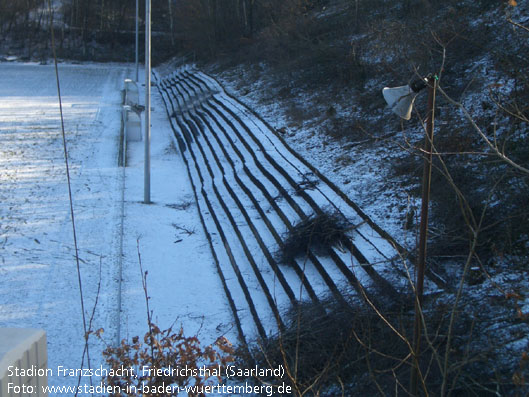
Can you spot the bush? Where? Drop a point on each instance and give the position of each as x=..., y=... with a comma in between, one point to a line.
x=328, y=349
x=319, y=232
x=168, y=352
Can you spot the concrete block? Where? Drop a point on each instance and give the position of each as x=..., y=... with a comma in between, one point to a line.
x=22, y=353
x=133, y=127
x=131, y=93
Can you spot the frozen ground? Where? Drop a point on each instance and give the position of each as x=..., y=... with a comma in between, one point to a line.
x=39, y=284
x=496, y=299
x=38, y=277
x=182, y=280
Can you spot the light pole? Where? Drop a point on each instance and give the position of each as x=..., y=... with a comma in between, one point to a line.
x=137, y=39
x=401, y=100
x=147, y=161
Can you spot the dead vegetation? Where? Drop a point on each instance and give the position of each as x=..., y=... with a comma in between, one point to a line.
x=328, y=350
x=318, y=232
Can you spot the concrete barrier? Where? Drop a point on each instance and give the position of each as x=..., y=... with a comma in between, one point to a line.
x=23, y=362
x=132, y=124
x=131, y=93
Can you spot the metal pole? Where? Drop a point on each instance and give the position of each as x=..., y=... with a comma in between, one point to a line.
x=147, y=170
x=137, y=39
x=125, y=119
x=421, y=261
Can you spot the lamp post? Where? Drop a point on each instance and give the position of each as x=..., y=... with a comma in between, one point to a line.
x=137, y=40
x=147, y=161
x=401, y=100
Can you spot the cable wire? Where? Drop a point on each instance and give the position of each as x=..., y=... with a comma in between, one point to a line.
x=86, y=333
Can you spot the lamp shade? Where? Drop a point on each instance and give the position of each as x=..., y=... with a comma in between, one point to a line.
x=400, y=100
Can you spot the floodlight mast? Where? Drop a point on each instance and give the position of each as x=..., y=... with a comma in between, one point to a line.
x=401, y=100
x=147, y=160
x=137, y=39
x=423, y=232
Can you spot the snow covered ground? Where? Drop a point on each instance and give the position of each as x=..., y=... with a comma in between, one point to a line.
x=39, y=283
x=361, y=170
x=38, y=277
x=254, y=189
x=182, y=282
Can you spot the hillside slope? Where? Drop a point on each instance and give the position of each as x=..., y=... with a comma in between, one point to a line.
x=317, y=78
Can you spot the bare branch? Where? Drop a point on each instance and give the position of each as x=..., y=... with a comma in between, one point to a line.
x=493, y=147
x=517, y=25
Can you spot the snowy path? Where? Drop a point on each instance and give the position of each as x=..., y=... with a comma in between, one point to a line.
x=182, y=282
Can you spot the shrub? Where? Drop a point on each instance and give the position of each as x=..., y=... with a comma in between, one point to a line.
x=318, y=232
x=180, y=361
x=329, y=349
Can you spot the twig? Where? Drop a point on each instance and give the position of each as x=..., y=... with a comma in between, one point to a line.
x=517, y=24
x=189, y=232
x=144, y=285
x=92, y=318
x=494, y=148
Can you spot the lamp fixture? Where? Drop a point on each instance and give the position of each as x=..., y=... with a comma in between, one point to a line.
x=401, y=99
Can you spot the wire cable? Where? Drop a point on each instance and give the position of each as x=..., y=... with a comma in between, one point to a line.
x=86, y=331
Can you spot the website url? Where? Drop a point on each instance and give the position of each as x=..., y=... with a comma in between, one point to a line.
x=246, y=388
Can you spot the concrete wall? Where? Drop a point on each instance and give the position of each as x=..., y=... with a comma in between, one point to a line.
x=23, y=362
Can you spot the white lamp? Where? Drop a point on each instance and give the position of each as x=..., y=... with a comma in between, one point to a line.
x=400, y=99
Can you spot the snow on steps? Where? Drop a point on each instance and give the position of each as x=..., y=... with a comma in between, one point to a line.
x=251, y=189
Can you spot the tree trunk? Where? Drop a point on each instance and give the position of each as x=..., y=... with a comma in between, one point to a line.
x=245, y=15
x=171, y=21
x=102, y=14
x=250, y=17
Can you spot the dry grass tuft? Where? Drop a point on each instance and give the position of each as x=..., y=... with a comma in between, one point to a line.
x=318, y=232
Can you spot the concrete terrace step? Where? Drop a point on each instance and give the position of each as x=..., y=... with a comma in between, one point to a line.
x=251, y=190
